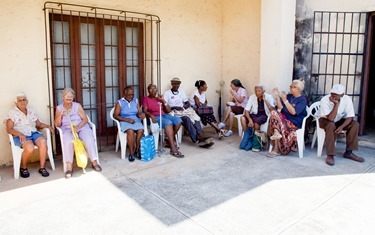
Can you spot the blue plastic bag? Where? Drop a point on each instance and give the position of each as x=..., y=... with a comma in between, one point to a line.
x=247, y=140
x=148, y=151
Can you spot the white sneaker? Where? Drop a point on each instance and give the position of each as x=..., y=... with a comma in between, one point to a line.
x=221, y=125
x=229, y=133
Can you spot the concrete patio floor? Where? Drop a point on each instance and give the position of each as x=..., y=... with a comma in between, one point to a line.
x=222, y=190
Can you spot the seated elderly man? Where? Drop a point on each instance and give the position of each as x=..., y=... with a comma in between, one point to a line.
x=336, y=115
x=22, y=122
x=180, y=106
x=158, y=115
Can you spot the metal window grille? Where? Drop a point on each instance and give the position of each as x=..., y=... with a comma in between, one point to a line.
x=338, y=53
x=98, y=51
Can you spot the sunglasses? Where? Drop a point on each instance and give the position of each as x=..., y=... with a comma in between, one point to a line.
x=293, y=87
x=23, y=100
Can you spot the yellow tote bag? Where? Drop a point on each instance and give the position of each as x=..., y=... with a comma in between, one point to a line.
x=79, y=150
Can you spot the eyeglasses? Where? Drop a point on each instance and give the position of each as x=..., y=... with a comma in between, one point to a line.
x=23, y=100
x=293, y=87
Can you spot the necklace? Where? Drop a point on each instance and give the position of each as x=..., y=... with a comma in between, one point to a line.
x=174, y=92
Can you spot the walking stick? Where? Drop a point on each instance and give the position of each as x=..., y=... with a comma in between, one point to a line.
x=160, y=149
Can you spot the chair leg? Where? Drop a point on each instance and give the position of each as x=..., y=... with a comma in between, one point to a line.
x=314, y=139
x=117, y=142
x=156, y=138
x=301, y=144
x=321, y=135
x=123, y=143
x=17, y=165
x=50, y=155
x=239, y=126
x=177, y=142
x=179, y=135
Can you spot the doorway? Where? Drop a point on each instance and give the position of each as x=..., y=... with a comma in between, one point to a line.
x=368, y=120
x=97, y=52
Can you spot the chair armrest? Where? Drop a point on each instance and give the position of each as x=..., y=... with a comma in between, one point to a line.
x=92, y=125
x=46, y=132
x=145, y=129
x=11, y=141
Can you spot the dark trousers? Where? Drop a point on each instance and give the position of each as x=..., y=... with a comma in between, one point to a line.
x=194, y=129
x=331, y=136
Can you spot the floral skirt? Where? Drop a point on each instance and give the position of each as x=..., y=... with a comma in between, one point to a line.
x=287, y=129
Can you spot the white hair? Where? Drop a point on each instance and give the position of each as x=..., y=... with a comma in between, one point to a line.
x=20, y=94
x=261, y=86
x=300, y=84
x=68, y=90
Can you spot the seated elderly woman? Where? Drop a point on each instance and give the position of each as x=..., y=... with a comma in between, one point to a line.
x=22, y=122
x=72, y=112
x=236, y=105
x=199, y=102
x=128, y=112
x=283, y=123
x=256, y=112
x=180, y=107
x=170, y=123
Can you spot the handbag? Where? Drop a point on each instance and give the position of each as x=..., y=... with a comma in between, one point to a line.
x=247, y=140
x=261, y=139
x=79, y=149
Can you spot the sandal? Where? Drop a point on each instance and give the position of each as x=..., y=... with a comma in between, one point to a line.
x=43, y=172
x=97, y=168
x=24, y=172
x=177, y=154
x=167, y=145
x=276, y=136
x=68, y=174
x=272, y=154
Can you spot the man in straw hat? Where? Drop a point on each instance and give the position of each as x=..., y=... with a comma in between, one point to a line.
x=337, y=113
x=180, y=106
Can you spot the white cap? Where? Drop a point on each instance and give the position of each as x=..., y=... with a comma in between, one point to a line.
x=338, y=89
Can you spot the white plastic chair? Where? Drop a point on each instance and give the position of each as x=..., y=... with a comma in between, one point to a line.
x=319, y=133
x=17, y=153
x=300, y=135
x=122, y=136
x=239, y=126
x=93, y=128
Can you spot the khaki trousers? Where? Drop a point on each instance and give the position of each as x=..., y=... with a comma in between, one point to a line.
x=331, y=136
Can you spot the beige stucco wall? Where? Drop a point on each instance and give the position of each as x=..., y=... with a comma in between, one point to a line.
x=277, y=43
x=241, y=43
x=192, y=47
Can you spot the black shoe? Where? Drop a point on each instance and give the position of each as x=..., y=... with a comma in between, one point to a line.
x=24, y=173
x=137, y=155
x=131, y=157
x=43, y=172
x=204, y=145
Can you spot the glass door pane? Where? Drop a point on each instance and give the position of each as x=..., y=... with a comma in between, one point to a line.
x=111, y=69
x=88, y=70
